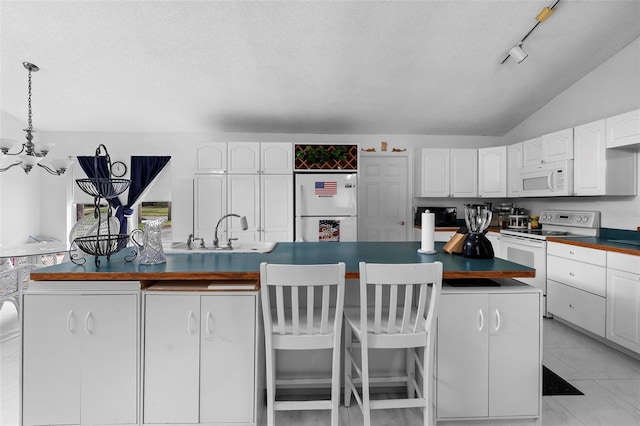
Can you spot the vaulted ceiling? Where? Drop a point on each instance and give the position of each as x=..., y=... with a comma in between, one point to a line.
x=362, y=67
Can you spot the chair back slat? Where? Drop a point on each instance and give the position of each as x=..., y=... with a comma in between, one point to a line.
x=422, y=304
x=295, y=311
x=310, y=308
x=378, y=309
x=280, y=309
x=393, y=305
x=324, y=319
x=406, y=313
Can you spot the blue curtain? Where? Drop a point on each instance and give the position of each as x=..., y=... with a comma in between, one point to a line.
x=144, y=169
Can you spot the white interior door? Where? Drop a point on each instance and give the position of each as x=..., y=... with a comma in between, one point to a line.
x=384, y=203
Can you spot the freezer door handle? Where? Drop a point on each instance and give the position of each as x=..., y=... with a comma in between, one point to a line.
x=349, y=185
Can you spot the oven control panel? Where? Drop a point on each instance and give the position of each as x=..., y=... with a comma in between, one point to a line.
x=581, y=219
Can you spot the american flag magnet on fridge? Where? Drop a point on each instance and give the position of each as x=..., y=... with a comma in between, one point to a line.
x=326, y=189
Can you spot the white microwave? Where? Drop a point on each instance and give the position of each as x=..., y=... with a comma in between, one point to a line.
x=553, y=179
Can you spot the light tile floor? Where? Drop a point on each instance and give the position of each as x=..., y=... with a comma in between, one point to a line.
x=609, y=379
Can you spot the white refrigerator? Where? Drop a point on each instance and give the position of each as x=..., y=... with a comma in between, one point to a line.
x=326, y=207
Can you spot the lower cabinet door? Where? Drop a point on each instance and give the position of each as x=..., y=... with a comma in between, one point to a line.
x=623, y=308
x=227, y=375
x=171, y=358
x=514, y=355
x=109, y=362
x=462, y=356
x=51, y=360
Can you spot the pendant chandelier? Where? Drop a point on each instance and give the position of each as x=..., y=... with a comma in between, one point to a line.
x=28, y=156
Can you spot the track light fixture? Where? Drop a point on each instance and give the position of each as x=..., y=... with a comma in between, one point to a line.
x=517, y=52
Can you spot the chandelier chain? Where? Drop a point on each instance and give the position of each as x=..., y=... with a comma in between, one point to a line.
x=30, y=124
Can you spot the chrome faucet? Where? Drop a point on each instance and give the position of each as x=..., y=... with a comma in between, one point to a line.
x=192, y=238
x=243, y=224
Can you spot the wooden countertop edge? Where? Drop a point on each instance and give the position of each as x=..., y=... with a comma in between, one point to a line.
x=215, y=276
x=594, y=246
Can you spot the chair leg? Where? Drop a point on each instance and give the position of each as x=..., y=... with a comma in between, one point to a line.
x=335, y=386
x=271, y=387
x=411, y=372
x=347, y=363
x=366, y=405
x=428, y=386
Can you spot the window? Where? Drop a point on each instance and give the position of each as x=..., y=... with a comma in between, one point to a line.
x=150, y=210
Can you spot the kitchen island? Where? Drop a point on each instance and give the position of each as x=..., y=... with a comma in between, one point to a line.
x=162, y=344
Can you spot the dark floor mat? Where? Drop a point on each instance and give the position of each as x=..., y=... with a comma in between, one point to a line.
x=552, y=384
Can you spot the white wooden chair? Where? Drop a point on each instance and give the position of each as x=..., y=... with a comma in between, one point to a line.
x=399, y=318
x=300, y=319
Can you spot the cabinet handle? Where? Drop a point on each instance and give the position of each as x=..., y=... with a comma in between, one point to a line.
x=571, y=252
x=71, y=323
x=208, y=329
x=571, y=305
x=402, y=222
x=88, y=323
x=480, y=320
x=190, y=322
x=498, y=320
x=572, y=274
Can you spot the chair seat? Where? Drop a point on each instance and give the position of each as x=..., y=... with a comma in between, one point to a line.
x=383, y=340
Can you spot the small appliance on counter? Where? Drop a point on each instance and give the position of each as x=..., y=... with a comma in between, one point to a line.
x=476, y=244
x=500, y=215
x=518, y=219
x=444, y=216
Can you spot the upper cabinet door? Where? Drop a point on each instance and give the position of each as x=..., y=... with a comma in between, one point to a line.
x=492, y=176
x=557, y=146
x=243, y=157
x=211, y=158
x=464, y=172
x=590, y=165
x=277, y=157
x=532, y=152
x=623, y=131
x=434, y=173
x=514, y=163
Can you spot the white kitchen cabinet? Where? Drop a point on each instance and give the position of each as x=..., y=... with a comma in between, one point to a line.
x=554, y=146
x=464, y=173
x=492, y=172
x=434, y=173
x=245, y=158
x=623, y=130
x=488, y=353
x=623, y=300
x=447, y=173
x=276, y=207
x=80, y=358
x=598, y=170
x=576, y=285
x=276, y=157
x=244, y=199
x=200, y=358
x=210, y=204
x=211, y=158
x=514, y=164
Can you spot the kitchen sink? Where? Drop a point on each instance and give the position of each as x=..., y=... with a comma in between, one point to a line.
x=238, y=247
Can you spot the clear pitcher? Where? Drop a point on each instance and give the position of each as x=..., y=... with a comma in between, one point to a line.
x=150, y=251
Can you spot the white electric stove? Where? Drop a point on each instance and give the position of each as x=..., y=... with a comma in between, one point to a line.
x=529, y=246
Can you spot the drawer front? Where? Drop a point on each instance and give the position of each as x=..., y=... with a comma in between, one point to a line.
x=583, y=276
x=623, y=262
x=583, y=309
x=582, y=254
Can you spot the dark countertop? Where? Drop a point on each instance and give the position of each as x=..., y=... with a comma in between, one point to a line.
x=601, y=243
x=223, y=266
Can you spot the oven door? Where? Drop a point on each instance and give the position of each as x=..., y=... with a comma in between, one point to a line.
x=531, y=253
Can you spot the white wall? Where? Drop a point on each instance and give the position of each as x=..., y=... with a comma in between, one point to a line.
x=612, y=88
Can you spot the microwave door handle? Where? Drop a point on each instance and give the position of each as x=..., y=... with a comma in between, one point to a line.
x=550, y=181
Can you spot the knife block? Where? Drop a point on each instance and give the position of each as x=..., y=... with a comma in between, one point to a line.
x=454, y=245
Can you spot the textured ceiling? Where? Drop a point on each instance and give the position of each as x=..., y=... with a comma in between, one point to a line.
x=363, y=67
